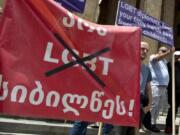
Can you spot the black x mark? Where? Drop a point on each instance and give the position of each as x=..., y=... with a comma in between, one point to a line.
x=79, y=61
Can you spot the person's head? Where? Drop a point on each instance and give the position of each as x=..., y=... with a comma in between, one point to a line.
x=177, y=57
x=144, y=50
x=0, y=10
x=162, y=49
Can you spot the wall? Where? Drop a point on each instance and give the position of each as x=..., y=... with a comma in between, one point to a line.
x=91, y=11
x=160, y=9
x=177, y=23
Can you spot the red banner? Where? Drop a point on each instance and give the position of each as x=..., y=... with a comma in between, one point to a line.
x=56, y=65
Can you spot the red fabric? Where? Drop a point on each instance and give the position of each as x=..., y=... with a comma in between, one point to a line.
x=29, y=49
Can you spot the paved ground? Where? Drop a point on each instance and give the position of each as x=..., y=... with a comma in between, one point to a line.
x=161, y=125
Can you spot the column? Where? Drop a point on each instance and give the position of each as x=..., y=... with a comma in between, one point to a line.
x=152, y=8
x=91, y=10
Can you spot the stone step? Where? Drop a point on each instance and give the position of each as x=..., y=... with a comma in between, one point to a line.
x=22, y=126
x=38, y=127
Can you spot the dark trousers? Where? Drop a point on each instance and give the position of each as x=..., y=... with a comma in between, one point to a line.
x=80, y=128
x=145, y=118
x=177, y=104
x=107, y=128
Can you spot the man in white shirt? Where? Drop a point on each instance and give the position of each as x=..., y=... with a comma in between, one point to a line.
x=160, y=80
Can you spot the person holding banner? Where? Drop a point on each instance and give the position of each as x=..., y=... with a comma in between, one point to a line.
x=168, y=128
x=145, y=96
x=1, y=11
x=80, y=127
x=145, y=89
x=160, y=80
x=145, y=92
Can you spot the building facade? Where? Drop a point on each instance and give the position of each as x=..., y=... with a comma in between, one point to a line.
x=104, y=12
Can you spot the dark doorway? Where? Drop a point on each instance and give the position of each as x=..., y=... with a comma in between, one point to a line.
x=177, y=24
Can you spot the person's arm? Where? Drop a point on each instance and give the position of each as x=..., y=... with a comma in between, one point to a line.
x=0, y=10
x=149, y=94
x=160, y=56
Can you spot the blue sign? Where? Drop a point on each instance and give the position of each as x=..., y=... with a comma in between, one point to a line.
x=73, y=5
x=151, y=27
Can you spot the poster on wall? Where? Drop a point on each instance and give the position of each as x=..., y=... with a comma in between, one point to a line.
x=73, y=5
x=127, y=15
